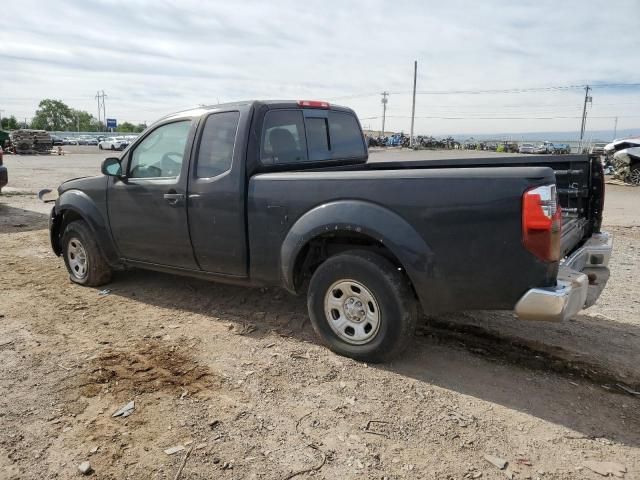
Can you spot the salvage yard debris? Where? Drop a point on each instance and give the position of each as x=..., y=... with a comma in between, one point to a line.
x=607, y=469
x=126, y=410
x=496, y=461
x=174, y=449
x=85, y=468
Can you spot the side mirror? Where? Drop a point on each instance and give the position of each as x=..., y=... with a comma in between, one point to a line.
x=111, y=167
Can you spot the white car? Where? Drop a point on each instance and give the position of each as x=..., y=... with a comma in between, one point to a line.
x=113, y=143
x=527, y=148
x=627, y=165
x=621, y=144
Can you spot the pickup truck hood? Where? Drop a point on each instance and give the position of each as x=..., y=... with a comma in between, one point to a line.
x=82, y=183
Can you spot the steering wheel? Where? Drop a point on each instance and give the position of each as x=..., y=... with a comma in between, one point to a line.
x=167, y=157
x=170, y=163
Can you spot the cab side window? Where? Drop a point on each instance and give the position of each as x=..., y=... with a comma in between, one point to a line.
x=161, y=153
x=283, y=138
x=217, y=143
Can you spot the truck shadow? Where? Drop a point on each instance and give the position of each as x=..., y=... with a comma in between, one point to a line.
x=14, y=219
x=439, y=356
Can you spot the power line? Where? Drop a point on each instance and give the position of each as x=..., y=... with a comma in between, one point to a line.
x=502, y=118
x=553, y=88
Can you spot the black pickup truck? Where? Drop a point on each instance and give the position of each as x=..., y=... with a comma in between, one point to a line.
x=282, y=193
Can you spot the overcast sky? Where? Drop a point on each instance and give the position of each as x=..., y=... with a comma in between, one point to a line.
x=155, y=57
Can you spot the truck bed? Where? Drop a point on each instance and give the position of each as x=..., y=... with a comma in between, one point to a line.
x=580, y=197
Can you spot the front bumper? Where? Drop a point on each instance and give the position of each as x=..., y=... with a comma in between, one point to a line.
x=581, y=278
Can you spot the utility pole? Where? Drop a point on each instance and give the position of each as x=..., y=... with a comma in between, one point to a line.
x=384, y=109
x=587, y=99
x=615, y=128
x=100, y=96
x=413, y=105
x=1, y=111
x=104, y=109
x=97, y=97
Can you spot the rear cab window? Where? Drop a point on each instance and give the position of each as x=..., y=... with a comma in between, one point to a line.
x=310, y=135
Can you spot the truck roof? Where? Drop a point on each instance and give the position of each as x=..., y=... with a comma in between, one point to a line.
x=202, y=109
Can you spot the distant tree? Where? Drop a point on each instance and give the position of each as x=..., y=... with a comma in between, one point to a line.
x=84, y=121
x=52, y=115
x=140, y=127
x=9, y=123
x=126, y=127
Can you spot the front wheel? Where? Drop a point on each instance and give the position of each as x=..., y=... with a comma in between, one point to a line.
x=362, y=306
x=82, y=257
x=634, y=175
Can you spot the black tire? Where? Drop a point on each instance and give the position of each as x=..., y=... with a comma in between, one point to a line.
x=634, y=175
x=100, y=146
x=112, y=147
x=96, y=271
x=392, y=293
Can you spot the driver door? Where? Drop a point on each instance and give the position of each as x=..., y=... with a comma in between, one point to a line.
x=147, y=207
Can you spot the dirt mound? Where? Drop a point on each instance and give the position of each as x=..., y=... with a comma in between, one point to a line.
x=148, y=367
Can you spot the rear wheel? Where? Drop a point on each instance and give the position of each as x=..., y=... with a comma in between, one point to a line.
x=634, y=175
x=82, y=257
x=100, y=146
x=362, y=306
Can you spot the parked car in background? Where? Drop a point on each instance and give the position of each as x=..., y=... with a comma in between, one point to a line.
x=562, y=148
x=627, y=165
x=527, y=148
x=4, y=177
x=92, y=141
x=546, y=147
x=57, y=140
x=113, y=143
x=621, y=144
x=69, y=141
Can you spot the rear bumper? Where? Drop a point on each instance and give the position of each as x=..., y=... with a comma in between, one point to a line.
x=581, y=278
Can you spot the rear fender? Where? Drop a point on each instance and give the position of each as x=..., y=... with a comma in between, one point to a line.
x=372, y=220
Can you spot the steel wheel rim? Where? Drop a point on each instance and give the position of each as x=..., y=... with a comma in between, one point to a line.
x=634, y=177
x=352, y=312
x=77, y=258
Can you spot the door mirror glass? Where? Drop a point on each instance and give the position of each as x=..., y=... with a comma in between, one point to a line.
x=111, y=167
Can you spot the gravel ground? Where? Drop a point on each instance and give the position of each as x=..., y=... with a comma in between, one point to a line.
x=235, y=376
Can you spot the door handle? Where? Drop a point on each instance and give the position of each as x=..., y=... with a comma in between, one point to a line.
x=174, y=199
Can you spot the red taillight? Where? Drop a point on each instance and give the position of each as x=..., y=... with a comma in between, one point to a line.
x=313, y=104
x=542, y=222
